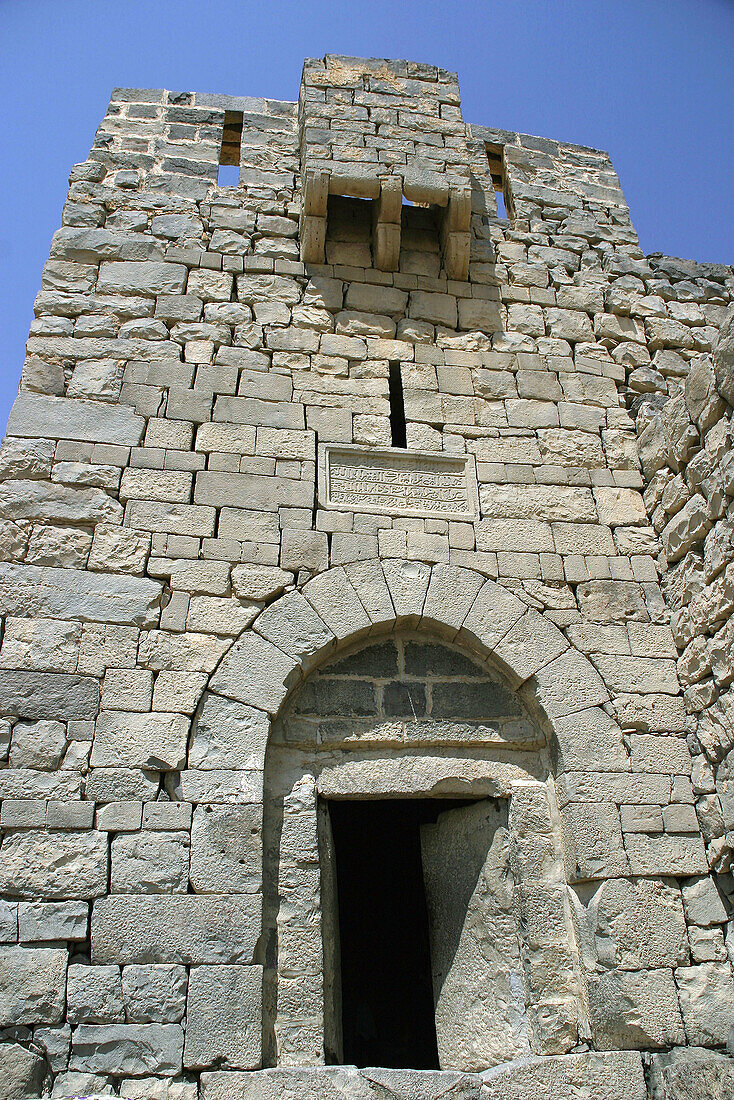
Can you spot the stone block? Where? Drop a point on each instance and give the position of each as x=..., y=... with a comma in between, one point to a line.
x=256, y=672
x=635, y=1010
x=37, y=416
x=336, y=603
x=41, y=502
x=368, y=581
x=154, y=993
x=127, y=738
x=118, y=549
x=590, y=739
x=226, y=849
x=146, y=277
x=94, y=995
x=706, y=995
x=47, y=695
x=48, y=645
x=150, y=863
x=75, y=594
x=183, y=928
x=224, y=1013
x=567, y=684
x=702, y=903
x=691, y=1073
x=637, y=924
x=616, y=1075
x=128, y=1049
x=450, y=596
x=40, y=921
x=593, y=841
x=530, y=644
x=54, y=865
x=37, y=744
x=292, y=624
x=22, y=1072
x=666, y=855
x=228, y=734
x=32, y=985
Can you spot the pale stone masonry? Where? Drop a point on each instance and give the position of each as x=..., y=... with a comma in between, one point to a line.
x=334, y=488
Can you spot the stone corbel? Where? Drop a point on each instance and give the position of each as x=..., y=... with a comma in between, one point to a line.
x=386, y=219
x=455, y=235
x=313, y=217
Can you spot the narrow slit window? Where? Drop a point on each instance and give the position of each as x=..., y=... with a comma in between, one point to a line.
x=497, y=171
x=229, y=154
x=397, y=407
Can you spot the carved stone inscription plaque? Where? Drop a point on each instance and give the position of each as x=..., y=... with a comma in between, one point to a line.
x=398, y=482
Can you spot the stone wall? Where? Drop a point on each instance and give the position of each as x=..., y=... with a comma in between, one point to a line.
x=174, y=570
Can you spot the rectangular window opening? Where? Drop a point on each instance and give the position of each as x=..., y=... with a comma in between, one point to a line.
x=497, y=171
x=398, y=430
x=229, y=153
x=386, y=973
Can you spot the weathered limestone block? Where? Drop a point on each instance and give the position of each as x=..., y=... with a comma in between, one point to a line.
x=127, y=1049
x=118, y=550
x=36, y=416
x=52, y=920
x=665, y=855
x=94, y=995
x=336, y=603
x=48, y=695
x=635, y=1010
x=37, y=745
x=259, y=582
x=637, y=924
x=177, y=929
x=706, y=995
x=567, y=684
x=474, y=939
x=256, y=672
x=295, y=628
x=724, y=358
x=54, y=865
x=615, y=1075
x=224, y=1013
x=32, y=985
x=75, y=594
x=338, y=1083
x=226, y=849
x=686, y=528
x=22, y=1072
x=49, y=645
x=150, y=863
x=137, y=740
x=691, y=1073
x=154, y=993
x=590, y=739
x=142, y=277
x=227, y=734
x=593, y=841
x=702, y=903
x=44, y=502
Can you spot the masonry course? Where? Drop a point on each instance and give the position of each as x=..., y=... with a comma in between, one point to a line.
x=206, y=638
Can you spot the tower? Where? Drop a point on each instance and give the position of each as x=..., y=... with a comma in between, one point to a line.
x=366, y=584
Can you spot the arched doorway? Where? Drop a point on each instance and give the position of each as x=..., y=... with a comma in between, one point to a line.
x=404, y=781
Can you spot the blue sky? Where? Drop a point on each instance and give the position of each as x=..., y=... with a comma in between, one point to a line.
x=648, y=80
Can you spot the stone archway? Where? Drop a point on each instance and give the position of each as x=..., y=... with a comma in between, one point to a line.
x=346, y=606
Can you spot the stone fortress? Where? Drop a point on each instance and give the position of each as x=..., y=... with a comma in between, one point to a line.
x=367, y=585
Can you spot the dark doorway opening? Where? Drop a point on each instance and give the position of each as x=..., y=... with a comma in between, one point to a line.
x=387, y=1002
